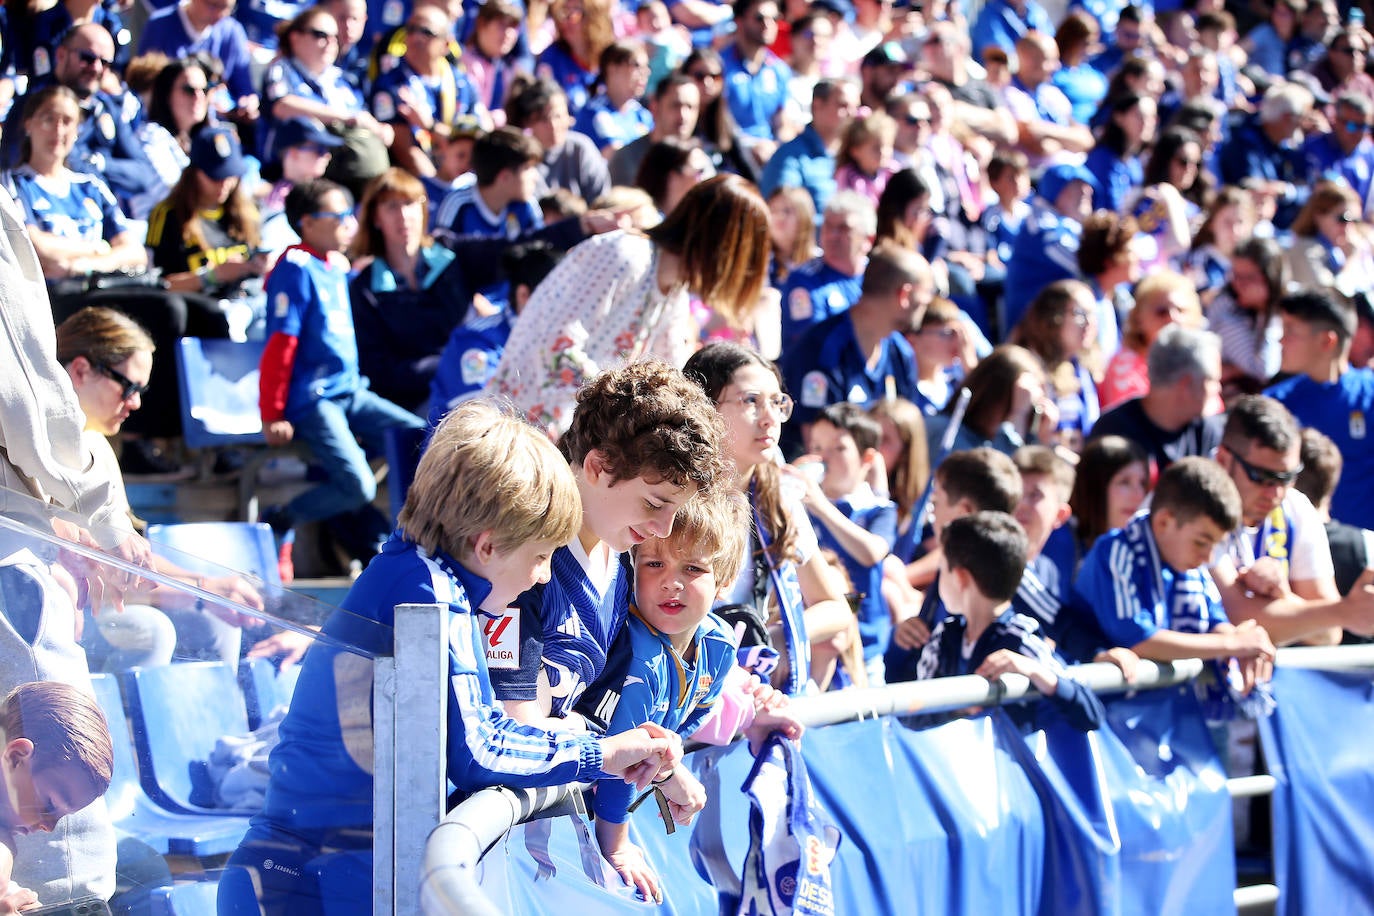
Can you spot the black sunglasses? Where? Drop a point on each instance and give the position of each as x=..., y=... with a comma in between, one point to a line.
x=129, y=387
x=415, y=29
x=321, y=34
x=91, y=58
x=1265, y=477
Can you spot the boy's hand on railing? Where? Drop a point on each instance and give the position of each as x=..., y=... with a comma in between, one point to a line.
x=641, y=755
x=911, y=633
x=1005, y=661
x=685, y=795
x=1123, y=658
x=1248, y=639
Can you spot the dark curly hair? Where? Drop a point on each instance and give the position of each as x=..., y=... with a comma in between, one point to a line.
x=647, y=419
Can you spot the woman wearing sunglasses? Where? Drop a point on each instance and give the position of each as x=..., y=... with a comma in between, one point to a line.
x=1332, y=250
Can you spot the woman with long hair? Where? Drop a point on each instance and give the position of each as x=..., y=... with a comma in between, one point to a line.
x=614, y=116
x=1115, y=160
x=1229, y=218
x=785, y=579
x=1175, y=190
x=409, y=293
x=1332, y=248
x=1161, y=298
x=906, y=457
x=671, y=167
x=1058, y=328
x=1112, y=480
x=1009, y=405
x=716, y=127
x=1246, y=315
x=791, y=230
x=584, y=30
x=625, y=295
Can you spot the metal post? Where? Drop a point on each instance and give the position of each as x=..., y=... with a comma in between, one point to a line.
x=383, y=784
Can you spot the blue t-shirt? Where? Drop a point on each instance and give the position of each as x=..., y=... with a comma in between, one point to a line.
x=1046, y=250
x=1343, y=411
x=755, y=99
x=1116, y=177
x=1134, y=593
x=469, y=360
x=999, y=24
x=463, y=213
x=827, y=366
x=815, y=291
x=878, y=516
x=1326, y=159
x=659, y=686
x=802, y=162
x=437, y=100
x=284, y=78
x=307, y=299
x=73, y=206
x=169, y=31
x=558, y=64
x=1084, y=86
x=608, y=127
x=260, y=18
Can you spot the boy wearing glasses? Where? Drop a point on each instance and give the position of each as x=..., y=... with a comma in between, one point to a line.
x=310, y=387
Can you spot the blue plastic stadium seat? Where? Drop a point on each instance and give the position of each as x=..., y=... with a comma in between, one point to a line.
x=179, y=712
x=136, y=814
x=265, y=688
x=219, y=392
x=245, y=547
x=194, y=899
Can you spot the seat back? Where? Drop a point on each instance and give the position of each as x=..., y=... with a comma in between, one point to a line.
x=212, y=547
x=219, y=392
x=124, y=789
x=265, y=688
x=196, y=898
x=178, y=712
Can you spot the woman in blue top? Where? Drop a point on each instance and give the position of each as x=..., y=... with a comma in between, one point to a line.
x=304, y=82
x=785, y=576
x=614, y=117
x=584, y=31
x=1058, y=328
x=1083, y=84
x=1115, y=161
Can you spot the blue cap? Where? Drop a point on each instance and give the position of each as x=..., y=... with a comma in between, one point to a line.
x=1056, y=178
x=304, y=131
x=216, y=151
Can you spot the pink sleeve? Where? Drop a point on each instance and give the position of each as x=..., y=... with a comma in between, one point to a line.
x=733, y=712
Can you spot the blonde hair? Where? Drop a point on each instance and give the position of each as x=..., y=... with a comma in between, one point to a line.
x=713, y=524
x=877, y=126
x=1158, y=285
x=486, y=469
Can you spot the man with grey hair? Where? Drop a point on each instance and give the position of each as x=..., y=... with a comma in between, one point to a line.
x=1168, y=421
x=808, y=159
x=830, y=284
x=1265, y=154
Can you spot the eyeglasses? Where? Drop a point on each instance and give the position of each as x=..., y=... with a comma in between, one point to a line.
x=321, y=34
x=416, y=29
x=764, y=18
x=339, y=215
x=915, y=120
x=1081, y=317
x=1266, y=477
x=779, y=404
x=128, y=387
x=90, y=59
x=187, y=89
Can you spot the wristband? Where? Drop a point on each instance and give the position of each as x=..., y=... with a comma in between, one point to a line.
x=661, y=781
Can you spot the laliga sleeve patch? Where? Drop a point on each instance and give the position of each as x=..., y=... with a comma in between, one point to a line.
x=814, y=388
x=501, y=635
x=281, y=305
x=42, y=63
x=799, y=304
x=384, y=107
x=473, y=367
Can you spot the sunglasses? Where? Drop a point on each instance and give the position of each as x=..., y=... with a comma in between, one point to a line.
x=1266, y=477
x=128, y=387
x=320, y=34
x=90, y=59
x=1187, y=160
x=915, y=120
x=194, y=90
x=702, y=75
x=339, y=215
x=414, y=29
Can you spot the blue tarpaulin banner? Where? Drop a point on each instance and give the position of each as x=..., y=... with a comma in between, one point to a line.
x=967, y=817
x=1318, y=746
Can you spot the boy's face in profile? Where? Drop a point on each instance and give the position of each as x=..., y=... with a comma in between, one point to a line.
x=1039, y=509
x=37, y=799
x=511, y=572
x=332, y=226
x=1185, y=545
x=453, y=157
x=942, y=510
x=844, y=463
x=624, y=513
x=675, y=587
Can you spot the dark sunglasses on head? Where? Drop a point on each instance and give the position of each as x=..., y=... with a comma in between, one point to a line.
x=1265, y=477
x=129, y=387
x=91, y=58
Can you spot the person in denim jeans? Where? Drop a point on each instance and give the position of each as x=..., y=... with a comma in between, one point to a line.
x=311, y=389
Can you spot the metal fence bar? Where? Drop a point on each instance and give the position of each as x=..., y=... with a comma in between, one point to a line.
x=383, y=785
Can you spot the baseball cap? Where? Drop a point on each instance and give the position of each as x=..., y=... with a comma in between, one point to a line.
x=1057, y=177
x=216, y=151
x=304, y=131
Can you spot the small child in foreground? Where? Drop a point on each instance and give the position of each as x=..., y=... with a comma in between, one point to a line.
x=681, y=659
x=57, y=759
x=983, y=561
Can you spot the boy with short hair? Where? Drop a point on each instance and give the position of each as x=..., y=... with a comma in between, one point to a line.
x=1009, y=178
x=498, y=200
x=53, y=731
x=851, y=519
x=680, y=656
x=983, y=559
x=310, y=387
x=491, y=501
x=644, y=440
x=968, y=481
x=1148, y=582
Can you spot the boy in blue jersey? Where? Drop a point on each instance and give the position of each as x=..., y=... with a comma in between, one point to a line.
x=491, y=501
x=643, y=441
x=499, y=199
x=310, y=388
x=852, y=520
x=1149, y=585
x=983, y=558
x=474, y=348
x=680, y=655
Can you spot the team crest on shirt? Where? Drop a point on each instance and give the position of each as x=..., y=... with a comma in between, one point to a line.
x=1357, y=426
x=473, y=366
x=41, y=62
x=814, y=387
x=703, y=688
x=799, y=304
x=393, y=12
